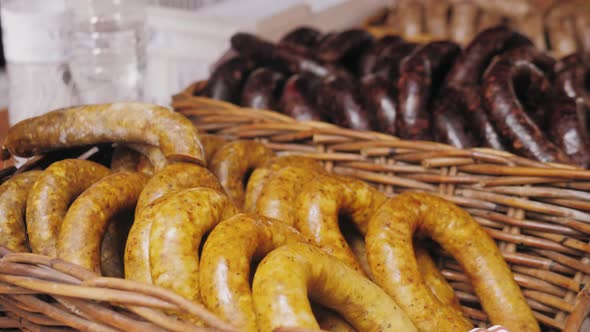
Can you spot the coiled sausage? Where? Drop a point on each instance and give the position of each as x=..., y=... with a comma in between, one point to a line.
x=391, y=257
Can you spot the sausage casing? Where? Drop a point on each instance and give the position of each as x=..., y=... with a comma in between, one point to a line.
x=142, y=123
x=51, y=196
x=417, y=86
x=174, y=177
x=231, y=247
x=179, y=222
x=288, y=275
x=393, y=264
x=84, y=226
x=13, y=201
x=233, y=162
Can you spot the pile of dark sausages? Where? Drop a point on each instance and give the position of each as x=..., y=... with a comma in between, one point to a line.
x=499, y=92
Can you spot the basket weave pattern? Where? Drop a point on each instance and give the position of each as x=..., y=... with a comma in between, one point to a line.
x=538, y=213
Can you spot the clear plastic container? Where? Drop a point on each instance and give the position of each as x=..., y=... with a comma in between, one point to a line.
x=35, y=36
x=107, y=51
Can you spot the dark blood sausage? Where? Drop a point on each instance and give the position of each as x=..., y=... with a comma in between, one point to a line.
x=472, y=62
x=262, y=89
x=301, y=38
x=572, y=73
x=249, y=45
x=388, y=64
x=379, y=96
x=227, y=80
x=419, y=75
x=568, y=129
x=298, y=98
x=344, y=44
x=450, y=123
x=280, y=56
x=459, y=103
x=539, y=58
x=501, y=100
x=339, y=98
x=375, y=52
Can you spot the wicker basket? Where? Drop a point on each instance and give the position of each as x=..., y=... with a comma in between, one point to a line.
x=538, y=213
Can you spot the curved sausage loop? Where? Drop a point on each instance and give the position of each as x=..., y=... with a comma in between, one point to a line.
x=179, y=222
x=433, y=279
x=85, y=224
x=391, y=257
x=458, y=107
x=509, y=115
x=260, y=176
x=233, y=162
x=419, y=73
x=51, y=196
x=226, y=259
x=281, y=190
x=290, y=274
x=107, y=123
x=13, y=203
x=174, y=177
x=323, y=200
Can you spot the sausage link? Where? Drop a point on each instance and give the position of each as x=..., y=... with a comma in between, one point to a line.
x=262, y=89
x=87, y=219
x=233, y=162
x=227, y=80
x=339, y=98
x=174, y=177
x=571, y=74
x=260, y=176
x=301, y=38
x=288, y=275
x=283, y=56
x=340, y=45
x=319, y=205
x=433, y=279
x=142, y=123
x=388, y=64
x=231, y=247
x=179, y=222
x=417, y=84
x=450, y=119
x=371, y=56
x=280, y=191
x=568, y=129
x=298, y=98
x=391, y=257
x=13, y=203
x=509, y=116
x=51, y=196
x=379, y=95
x=472, y=62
